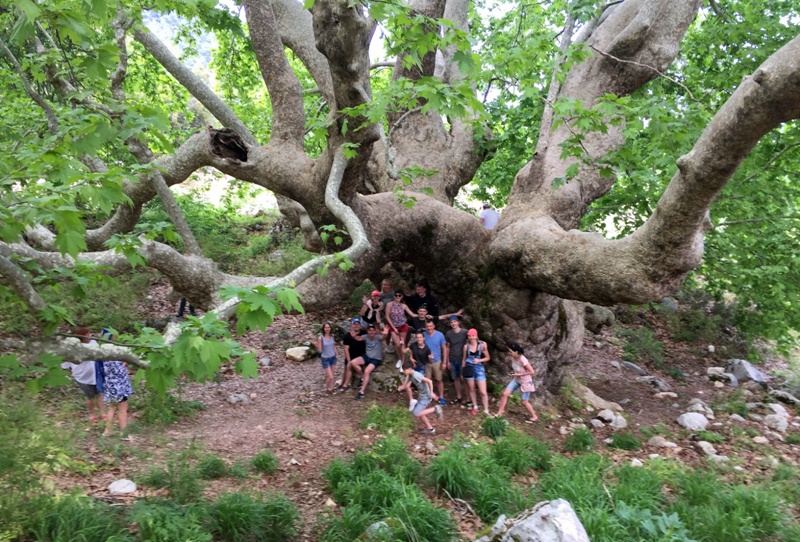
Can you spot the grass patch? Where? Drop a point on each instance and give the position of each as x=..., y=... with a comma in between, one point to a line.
x=581, y=440
x=641, y=343
x=625, y=441
x=212, y=468
x=494, y=428
x=388, y=420
x=381, y=485
x=735, y=403
x=164, y=521
x=265, y=462
x=78, y=518
x=792, y=438
x=182, y=481
x=163, y=408
x=520, y=453
x=241, y=517
x=710, y=436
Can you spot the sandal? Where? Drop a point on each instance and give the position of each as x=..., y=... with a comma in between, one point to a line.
x=532, y=420
x=456, y=401
x=343, y=388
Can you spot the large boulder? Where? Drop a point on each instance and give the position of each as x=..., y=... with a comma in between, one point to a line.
x=693, y=421
x=596, y=317
x=299, y=353
x=744, y=371
x=549, y=521
x=588, y=397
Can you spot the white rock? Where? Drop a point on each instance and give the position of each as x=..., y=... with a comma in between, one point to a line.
x=636, y=463
x=776, y=422
x=660, y=442
x=736, y=418
x=606, y=415
x=715, y=371
x=760, y=440
x=549, y=521
x=619, y=422
x=121, y=487
x=718, y=458
x=711, y=348
x=330, y=503
x=773, y=435
x=778, y=409
x=702, y=409
x=707, y=447
x=719, y=384
x=653, y=456
x=744, y=371
x=597, y=424
x=666, y=395
x=294, y=461
x=697, y=401
x=692, y=421
x=299, y=353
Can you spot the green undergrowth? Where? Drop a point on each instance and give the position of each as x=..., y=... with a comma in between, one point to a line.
x=388, y=420
x=382, y=485
x=154, y=408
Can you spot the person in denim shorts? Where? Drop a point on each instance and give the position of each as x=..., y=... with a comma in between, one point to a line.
x=523, y=381
x=326, y=346
x=476, y=353
x=371, y=359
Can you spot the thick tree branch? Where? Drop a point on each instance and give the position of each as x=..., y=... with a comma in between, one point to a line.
x=193, y=84
x=536, y=251
x=284, y=88
x=72, y=350
x=14, y=277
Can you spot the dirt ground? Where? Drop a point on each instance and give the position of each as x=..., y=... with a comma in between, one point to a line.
x=290, y=414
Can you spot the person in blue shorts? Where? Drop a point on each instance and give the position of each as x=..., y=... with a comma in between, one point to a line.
x=476, y=353
x=326, y=346
x=426, y=396
x=523, y=381
x=371, y=360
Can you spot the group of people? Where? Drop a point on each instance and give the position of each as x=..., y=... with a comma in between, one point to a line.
x=390, y=319
x=103, y=382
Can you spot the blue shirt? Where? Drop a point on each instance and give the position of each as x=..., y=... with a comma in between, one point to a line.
x=435, y=343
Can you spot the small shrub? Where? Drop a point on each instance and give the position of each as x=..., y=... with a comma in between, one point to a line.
x=710, y=436
x=735, y=403
x=658, y=429
x=792, y=438
x=164, y=521
x=578, y=480
x=494, y=428
x=349, y=526
x=179, y=478
x=356, y=299
x=581, y=440
x=388, y=454
x=639, y=487
x=676, y=373
x=388, y=420
x=265, y=462
x=239, y=469
x=79, y=518
x=697, y=488
x=625, y=441
x=519, y=453
x=641, y=343
x=211, y=468
x=240, y=517
x=694, y=325
x=643, y=524
x=163, y=408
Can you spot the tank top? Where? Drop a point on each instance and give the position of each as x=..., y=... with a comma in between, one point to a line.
x=397, y=314
x=328, y=350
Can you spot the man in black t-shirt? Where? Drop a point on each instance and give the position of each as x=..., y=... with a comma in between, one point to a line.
x=456, y=338
x=424, y=297
x=354, y=347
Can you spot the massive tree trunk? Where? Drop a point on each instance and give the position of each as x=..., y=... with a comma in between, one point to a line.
x=515, y=283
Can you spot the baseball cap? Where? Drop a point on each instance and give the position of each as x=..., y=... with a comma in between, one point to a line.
x=453, y=317
x=375, y=293
x=486, y=205
x=356, y=320
x=472, y=332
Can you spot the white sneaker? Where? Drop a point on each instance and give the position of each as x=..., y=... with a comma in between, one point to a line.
x=438, y=411
x=411, y=404
x=486, y=412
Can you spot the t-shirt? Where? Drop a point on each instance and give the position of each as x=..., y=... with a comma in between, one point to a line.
x=456, y=342
x=435, y=343
x=84, y=372
x=417, y=324
x=386, y=298
x=429, y=301
x=328, y=349
x=519, y=366
x=490, y=218
x=355, y=347
x=374, y=347
x=422, y=387
x=420, y=355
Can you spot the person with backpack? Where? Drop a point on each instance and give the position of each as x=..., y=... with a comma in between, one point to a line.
x=476, y=353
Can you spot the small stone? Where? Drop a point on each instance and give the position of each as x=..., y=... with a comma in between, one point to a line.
x=761, y=440
x=330, y=504
x=719, y=384
x=778, y=409
x=711, y=348
x=715, y=371
x=619, y=422
x=633, y=367
x=336, y=443
x=666, y=395
x=121, y=487
x=563, y=430
x=616, y=364
x=693, y=421
x=718, y=458
x=636, y=463
x=755, y=417
x=299, y=353
x=606, y=415
x=773, y=435
x=736, y=418
x=265, y=361
x=776, y=422
x=707, y=447
x=294, y=461
x=653, y=456
x=597, y=424
x=430, y=448
x=660, y=442
x=253, y=396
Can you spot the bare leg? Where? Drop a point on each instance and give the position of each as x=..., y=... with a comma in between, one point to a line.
x=471, y=388
x=457, y=384
x=90, y=407
x=347, y=375
x=367, y=372
x=123, y=415
x=329, y=378
x=109, y=420
x=532, y=412
x=440, y=387
x=424, y=417
x=484, y=395
x=99, y=401
x=501, y=409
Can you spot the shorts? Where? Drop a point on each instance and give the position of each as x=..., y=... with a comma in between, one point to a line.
x=89, y=390
x=434, y=369
x=372, y=361
x=479, y=372
x=403, y=328
x=455, y=369
x=421, y=405
x=514, y=386
x=328, y=362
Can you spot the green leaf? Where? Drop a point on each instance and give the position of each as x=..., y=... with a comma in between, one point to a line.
x=247, y=366
x=29, y=8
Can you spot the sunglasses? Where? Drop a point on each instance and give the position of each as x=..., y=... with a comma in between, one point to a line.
x=398, y=295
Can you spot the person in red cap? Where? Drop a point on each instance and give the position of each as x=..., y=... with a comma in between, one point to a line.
x=373, y=310
x=476, y=353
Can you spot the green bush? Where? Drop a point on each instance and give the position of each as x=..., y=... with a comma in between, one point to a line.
x=641, y=343
x=164, y=521
x=735, y=403
x=388, y=454
x=494, y=428
x=581, y=440
x=792, y=438
x=694, y=325
x=710, y=436
x=78, y=518
x=388, y=420
x=639, y=487
x=624, y=441
x=240, y=517
x=356, y=299
x=211, y=468
x=179, y=478
x=265, y=462
x=519, y=453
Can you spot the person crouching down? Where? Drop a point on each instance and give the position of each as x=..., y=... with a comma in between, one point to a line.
x=426, y=395
x=371, y=359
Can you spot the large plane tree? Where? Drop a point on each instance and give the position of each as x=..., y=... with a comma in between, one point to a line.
x=87, y=142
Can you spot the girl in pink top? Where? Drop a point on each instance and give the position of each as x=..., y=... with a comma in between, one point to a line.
x=523, y=381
